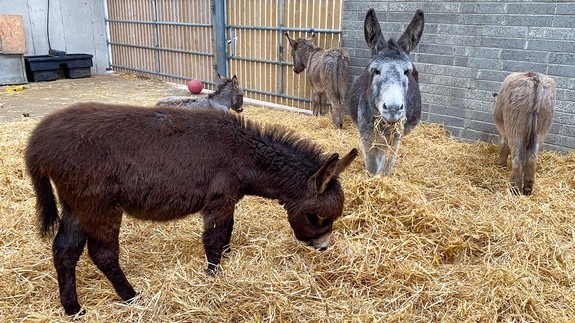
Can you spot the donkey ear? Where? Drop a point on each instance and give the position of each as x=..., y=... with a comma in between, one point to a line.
x=372, y=32
x=410, y=38
x=234, y=80
x=220, y=77
x=312, y=37
x=346, y=161
x=292, y=42
x=325, y=173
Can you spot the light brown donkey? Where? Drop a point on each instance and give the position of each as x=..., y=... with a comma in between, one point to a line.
x=523, y=114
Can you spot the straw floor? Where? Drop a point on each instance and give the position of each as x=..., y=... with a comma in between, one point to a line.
x=441, y=240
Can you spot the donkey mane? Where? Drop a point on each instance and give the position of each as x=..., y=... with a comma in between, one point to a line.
x=220, y=88
x=392, y=50
x=284, y=138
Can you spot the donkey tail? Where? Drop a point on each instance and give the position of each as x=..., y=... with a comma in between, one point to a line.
x=341, y=77
x=531, y=135
x=46, y=208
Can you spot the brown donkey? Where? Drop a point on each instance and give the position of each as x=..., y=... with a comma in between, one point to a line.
x=523, y=114
x=327, y=72
x=161, y=164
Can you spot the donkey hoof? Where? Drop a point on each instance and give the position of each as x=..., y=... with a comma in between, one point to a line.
x=75, y=311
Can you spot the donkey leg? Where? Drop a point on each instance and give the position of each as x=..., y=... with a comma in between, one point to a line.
x=517, y=162
x=218, y=222
x=323, y=104
x=227, y=248
x=504, y=151
x=336, y=114
x=529, y=172
x=66, y=249
x=103, y=248
x=394, y=153
x=374, y=156
x=315, y=102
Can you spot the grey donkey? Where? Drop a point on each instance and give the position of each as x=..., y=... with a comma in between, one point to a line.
x=228, y=95
x=385, y=102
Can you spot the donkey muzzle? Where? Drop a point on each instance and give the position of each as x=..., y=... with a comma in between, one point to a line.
x=392, y=113
x=321, y=243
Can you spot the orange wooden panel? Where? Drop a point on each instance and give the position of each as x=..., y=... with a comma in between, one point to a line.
x=12, y=36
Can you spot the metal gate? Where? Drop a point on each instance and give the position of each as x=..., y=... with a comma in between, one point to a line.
x=181, y=39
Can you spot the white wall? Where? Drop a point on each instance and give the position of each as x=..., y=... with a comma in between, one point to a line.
x=76, y=26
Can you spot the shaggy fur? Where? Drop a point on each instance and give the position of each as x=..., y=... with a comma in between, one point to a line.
x=523, y=114
x=161, y=164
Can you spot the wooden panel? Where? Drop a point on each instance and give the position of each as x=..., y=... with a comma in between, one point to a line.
x=12, y=35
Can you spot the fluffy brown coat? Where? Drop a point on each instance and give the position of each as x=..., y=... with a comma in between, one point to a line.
x=523, y=114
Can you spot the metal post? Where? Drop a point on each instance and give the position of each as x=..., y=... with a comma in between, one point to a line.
x=281, y=42
x=156, y=37
x=219, y=25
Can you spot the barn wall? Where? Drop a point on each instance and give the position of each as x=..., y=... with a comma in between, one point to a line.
x=75, y=27
x=467, y=49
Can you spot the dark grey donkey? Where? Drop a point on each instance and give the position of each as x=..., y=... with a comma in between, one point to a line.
x=327, y=72
x=228, y=95
x=384, y=101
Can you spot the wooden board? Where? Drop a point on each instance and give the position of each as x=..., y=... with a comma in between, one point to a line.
x=12, y=36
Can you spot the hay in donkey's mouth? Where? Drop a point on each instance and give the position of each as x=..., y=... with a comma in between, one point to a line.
x=440, y=240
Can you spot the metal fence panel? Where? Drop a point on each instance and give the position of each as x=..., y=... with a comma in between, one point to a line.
x=170, y=39
x=176, y=40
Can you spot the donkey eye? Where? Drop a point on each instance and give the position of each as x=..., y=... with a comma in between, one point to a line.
x=317, y=220
x=313, y=219
x=375, y=71
x=407, y=72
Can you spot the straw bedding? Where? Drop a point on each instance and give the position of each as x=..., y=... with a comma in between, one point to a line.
x=440, y=240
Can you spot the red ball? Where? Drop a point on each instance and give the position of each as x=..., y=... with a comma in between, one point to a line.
x=195, y=86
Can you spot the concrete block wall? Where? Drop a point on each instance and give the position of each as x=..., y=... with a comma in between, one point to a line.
x=468, y=48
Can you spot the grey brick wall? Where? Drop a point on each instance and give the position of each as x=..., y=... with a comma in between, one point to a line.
x=468, y=48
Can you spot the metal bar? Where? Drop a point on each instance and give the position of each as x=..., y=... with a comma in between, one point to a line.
x=280, y=28
x=258, y=60
x=220, y=27
x=162, y=49
x=297, y=98
x=156, y=36
x=108, y=36
x=143, y=22
x=281, y=49
x=157, y=73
